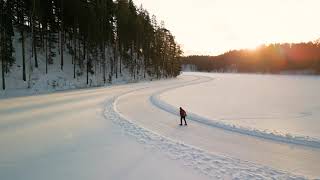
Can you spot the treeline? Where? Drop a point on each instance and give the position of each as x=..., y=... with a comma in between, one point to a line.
x=90, y=30
x=273, y=58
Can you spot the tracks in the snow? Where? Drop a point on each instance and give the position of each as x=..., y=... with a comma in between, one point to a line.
x=290, y=139
x=216, y=166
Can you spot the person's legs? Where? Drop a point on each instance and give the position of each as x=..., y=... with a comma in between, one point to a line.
x=185, y=122
x=180, y=120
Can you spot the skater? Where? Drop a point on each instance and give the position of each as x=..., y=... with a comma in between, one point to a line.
x=183, y=115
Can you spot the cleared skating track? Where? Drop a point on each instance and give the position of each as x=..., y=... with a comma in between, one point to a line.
x=118, y=133
x=66, y=136
x=139, y=109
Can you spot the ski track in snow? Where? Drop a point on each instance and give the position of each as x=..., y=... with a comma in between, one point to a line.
x=215, y=166
x=265, y=134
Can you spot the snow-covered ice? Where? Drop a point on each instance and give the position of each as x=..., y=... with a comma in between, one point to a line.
x=285, y=156
x=117, y=133
x=282, y=108
x=66, y=136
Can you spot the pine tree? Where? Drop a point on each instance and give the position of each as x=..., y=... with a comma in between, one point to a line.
x=20, y=13
x=61, y=33
x=2, y=40
x=32, y=9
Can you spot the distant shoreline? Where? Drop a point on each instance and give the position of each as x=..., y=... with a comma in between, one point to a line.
x=302, y=72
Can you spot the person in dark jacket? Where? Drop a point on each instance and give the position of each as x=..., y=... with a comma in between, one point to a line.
x=183, y=115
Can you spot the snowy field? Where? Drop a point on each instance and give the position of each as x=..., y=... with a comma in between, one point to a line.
x=132, y=132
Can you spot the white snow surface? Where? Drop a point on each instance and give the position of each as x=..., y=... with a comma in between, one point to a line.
x=117, y=133
x=272, y=135
x=66, y=136
x=284, y=156
x=280, y=104
x=213, y=165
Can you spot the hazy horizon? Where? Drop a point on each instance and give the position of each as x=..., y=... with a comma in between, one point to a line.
x=212, y=27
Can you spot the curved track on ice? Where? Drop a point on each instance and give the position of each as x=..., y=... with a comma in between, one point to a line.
x=66, y=136
x=298, y=140
x=139, y=108
x=80, y=134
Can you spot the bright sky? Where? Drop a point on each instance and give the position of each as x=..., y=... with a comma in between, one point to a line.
x=211, y=27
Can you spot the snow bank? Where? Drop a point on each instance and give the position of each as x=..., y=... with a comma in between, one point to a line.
x=215, y=166
x=265, y=134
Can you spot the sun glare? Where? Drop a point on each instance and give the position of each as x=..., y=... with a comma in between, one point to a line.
x=216, y=26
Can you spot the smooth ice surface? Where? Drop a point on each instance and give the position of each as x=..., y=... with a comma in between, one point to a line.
x=281, y=104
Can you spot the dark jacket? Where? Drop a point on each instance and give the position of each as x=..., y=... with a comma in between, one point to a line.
x=183, y=113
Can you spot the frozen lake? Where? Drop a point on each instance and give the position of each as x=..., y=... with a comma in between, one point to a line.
x=275, y=103
x=86, y=134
